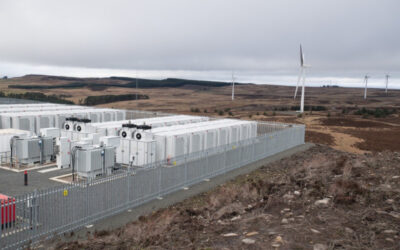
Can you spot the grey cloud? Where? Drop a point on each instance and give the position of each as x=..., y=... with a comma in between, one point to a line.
x=339, y=37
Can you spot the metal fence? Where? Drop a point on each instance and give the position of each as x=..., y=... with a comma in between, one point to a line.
x=42, y=214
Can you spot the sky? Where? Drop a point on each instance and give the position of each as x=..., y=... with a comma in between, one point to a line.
x=204, y=39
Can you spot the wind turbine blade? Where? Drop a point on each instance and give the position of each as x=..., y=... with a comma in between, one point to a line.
x=301, y=56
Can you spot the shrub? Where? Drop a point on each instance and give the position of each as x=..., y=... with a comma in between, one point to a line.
x=38, y=97
x=221, y=112
x=378, y=112
x=102, y=99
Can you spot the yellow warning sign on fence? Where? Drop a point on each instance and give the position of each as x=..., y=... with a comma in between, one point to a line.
x=174, y=163
x=65, y=192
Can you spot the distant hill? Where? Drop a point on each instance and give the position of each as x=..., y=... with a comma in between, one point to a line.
x=54, y=82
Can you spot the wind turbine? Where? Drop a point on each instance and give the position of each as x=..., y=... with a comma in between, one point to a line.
x=366, y=86
x=233, y=85
x=387, y=83
x=302, y=76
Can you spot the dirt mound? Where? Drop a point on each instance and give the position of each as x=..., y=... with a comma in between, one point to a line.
x=377, y=140
x=321, y=199
x=320, y=138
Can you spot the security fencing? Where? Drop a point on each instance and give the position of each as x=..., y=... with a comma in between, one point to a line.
x=138, y=114
x=42, y=214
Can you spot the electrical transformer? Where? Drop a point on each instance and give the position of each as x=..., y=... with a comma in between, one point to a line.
x=91, y=161
x=32, y=150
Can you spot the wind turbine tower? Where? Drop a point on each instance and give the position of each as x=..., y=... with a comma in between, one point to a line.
x=302, y=77
x=366, y=86
x=233, y=85
x=387, y=83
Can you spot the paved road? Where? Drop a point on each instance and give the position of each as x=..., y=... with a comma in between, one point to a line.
x=178, y=196
x=12, y=183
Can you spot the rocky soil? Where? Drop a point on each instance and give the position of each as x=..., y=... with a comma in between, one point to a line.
x=319, y=199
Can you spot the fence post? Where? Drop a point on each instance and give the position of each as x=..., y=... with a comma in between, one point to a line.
x=207, y=166
x=128, y=188
x=159, y=181
x=87, y=201
x=186, y=181
x=35, y=211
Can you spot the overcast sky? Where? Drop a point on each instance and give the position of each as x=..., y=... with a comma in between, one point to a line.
x=207, y=39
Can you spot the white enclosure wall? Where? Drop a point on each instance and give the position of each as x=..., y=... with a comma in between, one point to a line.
x=7, y=134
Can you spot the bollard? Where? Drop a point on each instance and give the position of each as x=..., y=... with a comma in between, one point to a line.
x=26, y=178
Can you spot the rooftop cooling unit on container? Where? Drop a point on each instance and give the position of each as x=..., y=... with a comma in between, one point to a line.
x=140, y=134
x=69, y=123
x=127, y=131
x=80, y=124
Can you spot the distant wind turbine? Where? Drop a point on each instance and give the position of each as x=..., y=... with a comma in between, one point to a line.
x=366, y=86
x=233, y=85
x=387, y=83
x=302, y=76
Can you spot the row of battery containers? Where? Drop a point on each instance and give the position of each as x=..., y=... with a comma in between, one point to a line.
x=116, y=129
x=34, y=121
x=163, y=143
x=27, y=105
x=176, y=143
x=40, y=108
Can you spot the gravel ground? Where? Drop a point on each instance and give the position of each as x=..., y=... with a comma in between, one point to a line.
x=318, y=199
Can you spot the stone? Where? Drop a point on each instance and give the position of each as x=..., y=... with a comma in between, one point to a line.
x=315, y=231
x=236, y=218
x=248, y=241
x=349, y=230
x=395, y=214
x=278, y=240
x=323, y=202
x=389, y=231
x=230, y=235
x=320, y=246
x=251, y=233
x=284, y=221
x=389, y=201
x=297, y=193
x=288, y=197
